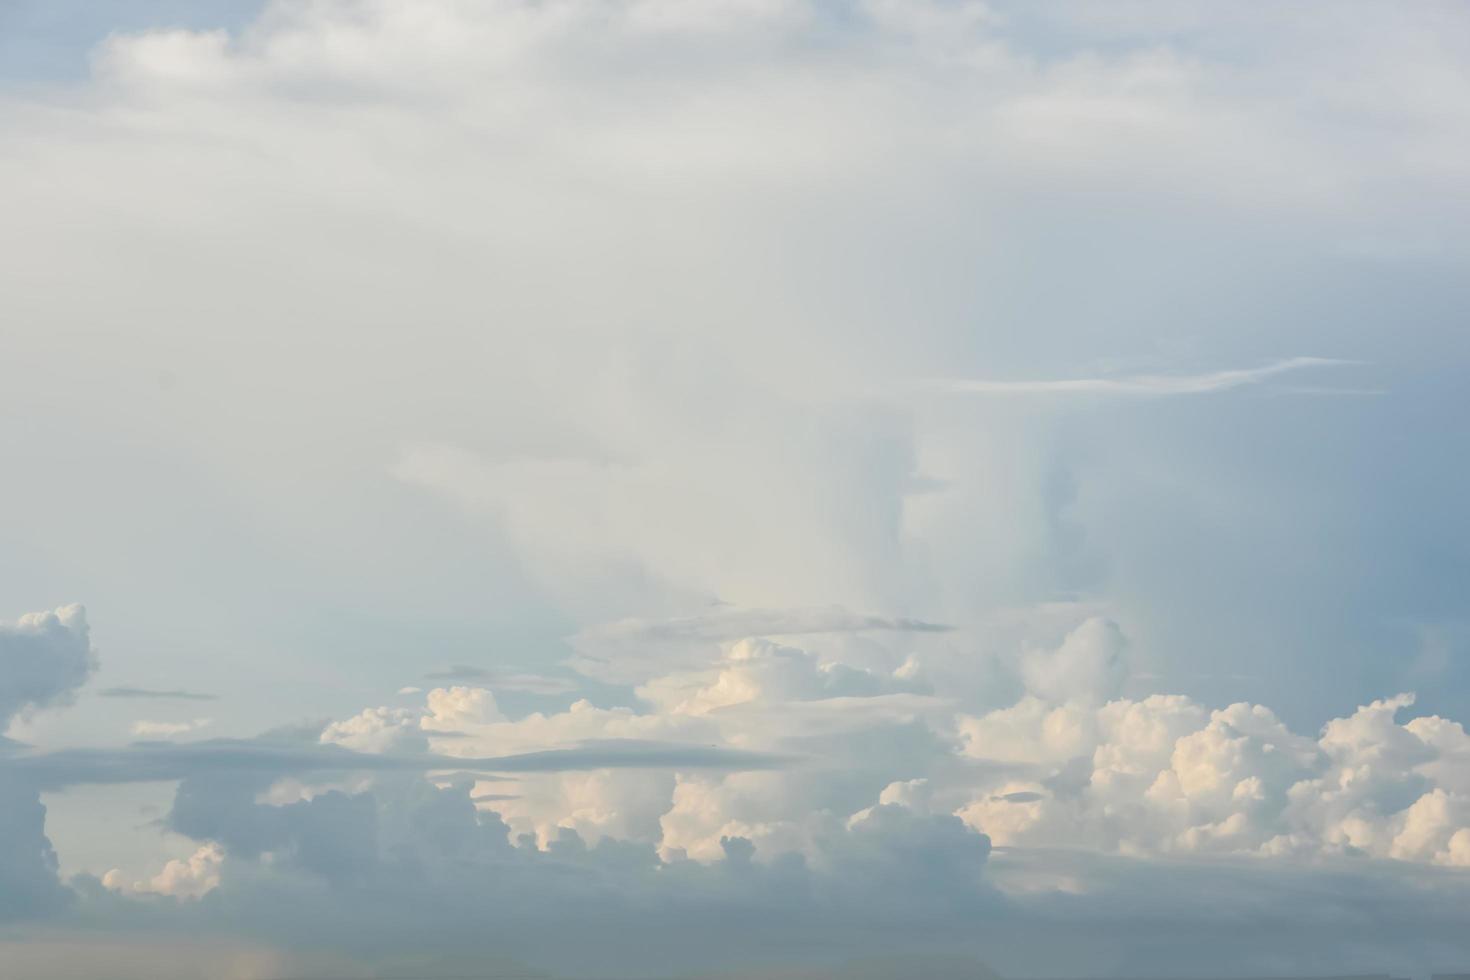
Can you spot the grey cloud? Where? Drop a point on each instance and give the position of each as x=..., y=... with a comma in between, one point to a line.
x=633, y=754
x=143, y=693
x=452, y=777
x=1082, y=914
x=532, y=683
x=629, y=650
x=332, y=834
x=406, y=867
x=458, y=672
x=163, y=761
x=44, y=659
x=28, y=882
x=734, y=623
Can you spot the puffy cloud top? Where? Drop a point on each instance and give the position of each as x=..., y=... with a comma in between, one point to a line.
x=44, y=658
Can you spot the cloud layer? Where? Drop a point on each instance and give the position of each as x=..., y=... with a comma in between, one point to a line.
x=817, y=799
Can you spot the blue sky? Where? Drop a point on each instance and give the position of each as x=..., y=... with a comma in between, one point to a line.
x=52, y=41
x=1018, y=447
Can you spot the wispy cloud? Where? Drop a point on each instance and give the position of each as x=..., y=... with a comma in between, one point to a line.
x=143, y=693
x=729, y=622
x=506, y=681
x=1139, y=384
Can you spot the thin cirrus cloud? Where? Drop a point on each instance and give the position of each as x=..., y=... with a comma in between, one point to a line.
x=625, y=650
x=144, y=693
x=531, y=683
x=728, y=623
x=1206, y=383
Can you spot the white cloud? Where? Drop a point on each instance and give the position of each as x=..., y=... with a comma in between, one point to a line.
x=633, y=288
x=378, y=730
x=891, y=809
x=1089, y=663
x=191, y=878
x=151, y=729
x=1068, y=765
x=1163, y=775
x=1143, y=384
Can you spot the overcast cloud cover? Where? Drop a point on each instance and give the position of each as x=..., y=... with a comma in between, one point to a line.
x=777, y=488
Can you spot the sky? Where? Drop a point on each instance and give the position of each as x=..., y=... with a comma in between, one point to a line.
x=736, y=488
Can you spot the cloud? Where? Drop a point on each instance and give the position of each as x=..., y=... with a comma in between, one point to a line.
x=1163, y=775
x=733, y=624
x=629, y=650
x=161, y=762
x=459, y=672
x=44, y=658
x=147, y=729
x=358, y=833
x=29, y=887
x=592, y=424
x=144, y=693
x=397, y=855
x=1143, y=384
x=1088, y=664
x=378, y=730
x=502, y=680
x=192, y=878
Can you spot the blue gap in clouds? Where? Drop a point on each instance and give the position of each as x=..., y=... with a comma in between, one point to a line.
x=49, y=40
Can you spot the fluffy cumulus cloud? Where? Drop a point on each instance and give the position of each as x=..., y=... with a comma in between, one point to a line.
x=191, y=878
x=878, y=805
x=881, y=803
x=922, y=477
x=1166, y=775
x=1067, y=765
x=885, y=811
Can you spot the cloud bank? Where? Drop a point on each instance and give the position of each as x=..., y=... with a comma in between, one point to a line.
x=820, y=801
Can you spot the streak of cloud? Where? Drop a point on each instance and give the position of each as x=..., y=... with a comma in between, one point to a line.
x=151, y=729
x=1140, y=384
x=162, y=761
x=532, y=683
x=734, y=623
x=143, y=693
